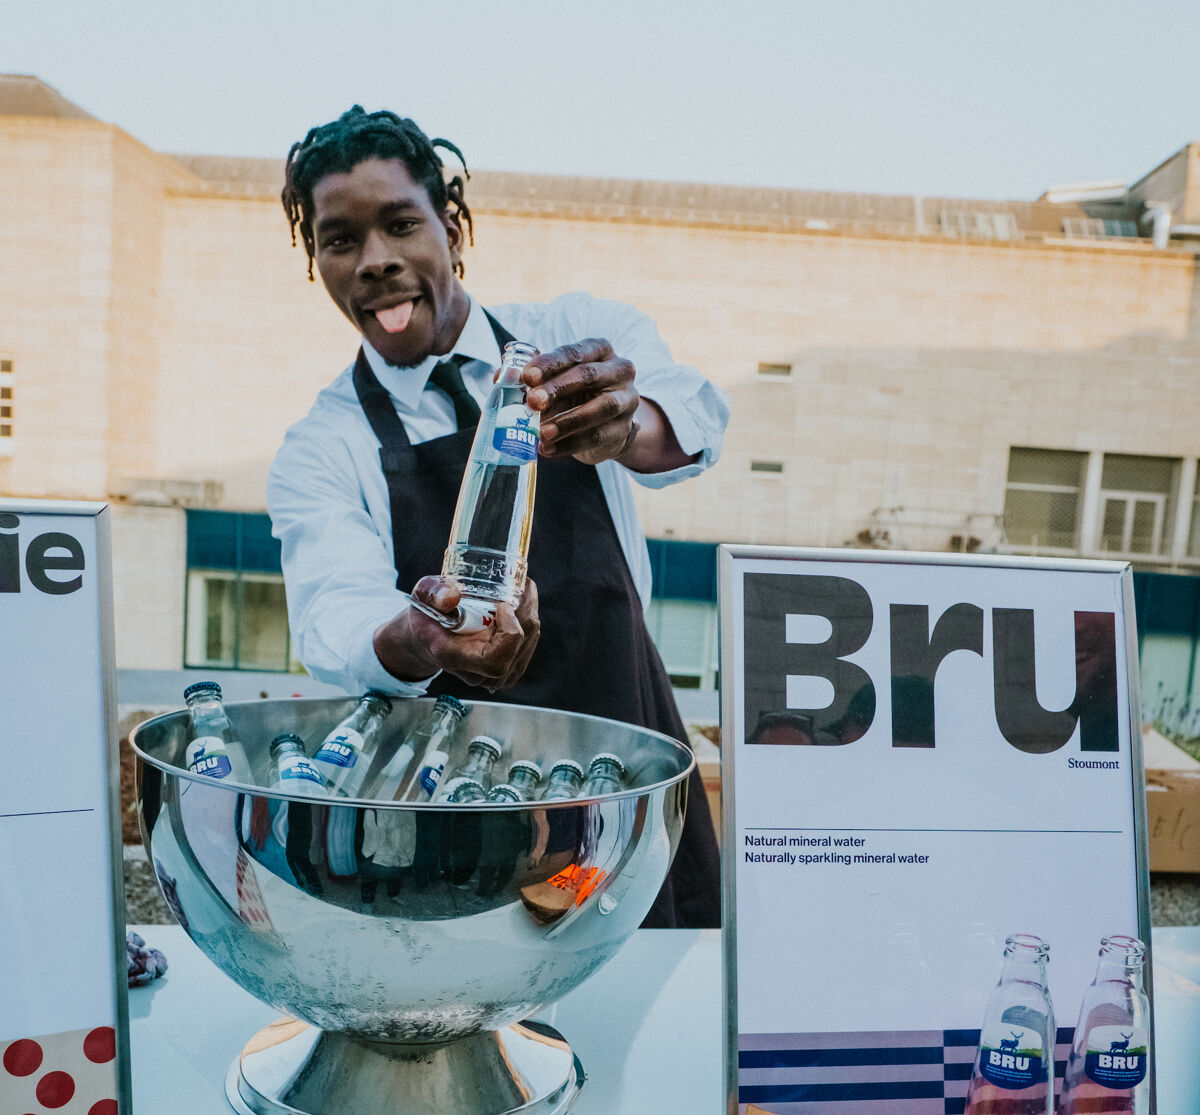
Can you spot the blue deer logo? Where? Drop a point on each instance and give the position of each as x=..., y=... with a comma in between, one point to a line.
x=1009, y=1045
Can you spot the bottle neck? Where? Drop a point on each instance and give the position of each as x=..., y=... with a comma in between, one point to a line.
x=1122, y=960
x=1023, y=970
x=516, y=356
x=205, y=707
x=1025, y=958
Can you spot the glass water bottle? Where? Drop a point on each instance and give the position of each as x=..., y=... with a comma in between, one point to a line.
x=1014, y=1064
x=345, y=754
x=482, y=753
x=1110, y=1055
x=292, y=771
x=431, y=742
x=525, y=776
x=606, y=775
x=566, y=776
x=489, y=541
x=212, y=749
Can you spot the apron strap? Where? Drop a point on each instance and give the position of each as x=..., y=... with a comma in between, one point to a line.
x=377, y=403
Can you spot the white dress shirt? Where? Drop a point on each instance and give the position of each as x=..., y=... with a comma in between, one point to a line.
x=328, y=499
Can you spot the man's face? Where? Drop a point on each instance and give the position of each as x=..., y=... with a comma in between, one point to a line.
x=387, y=258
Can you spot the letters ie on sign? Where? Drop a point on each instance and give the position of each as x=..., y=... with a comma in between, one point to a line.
x=53, y=551
x=916, y=651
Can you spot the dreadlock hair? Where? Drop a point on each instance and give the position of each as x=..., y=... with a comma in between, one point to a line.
x=356, y=135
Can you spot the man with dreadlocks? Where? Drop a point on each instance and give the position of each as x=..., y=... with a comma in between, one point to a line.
x=363, y=491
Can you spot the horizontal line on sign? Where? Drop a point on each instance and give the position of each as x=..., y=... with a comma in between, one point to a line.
x=45, y=813
x=785, y=828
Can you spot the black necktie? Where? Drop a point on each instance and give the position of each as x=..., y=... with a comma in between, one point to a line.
x=447, y=376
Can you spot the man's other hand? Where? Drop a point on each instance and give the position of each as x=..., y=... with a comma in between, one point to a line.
x=413, y=647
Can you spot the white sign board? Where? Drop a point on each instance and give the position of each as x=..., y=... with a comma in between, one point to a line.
x=922, y=754
x=63, y=1014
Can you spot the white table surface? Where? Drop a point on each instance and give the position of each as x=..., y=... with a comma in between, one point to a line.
x=648, y=1027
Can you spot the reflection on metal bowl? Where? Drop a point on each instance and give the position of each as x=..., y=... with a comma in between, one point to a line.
x=411, y=937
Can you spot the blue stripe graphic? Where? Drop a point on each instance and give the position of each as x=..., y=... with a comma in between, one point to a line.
x=818, y=1058
x=834, y=1093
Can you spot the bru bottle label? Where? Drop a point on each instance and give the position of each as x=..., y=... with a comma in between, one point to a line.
x=298, y=769
x=513, y=435
x=1011, y=1057
x=431, y=772
x=342, y=749
x=1116, y=1057
x=207, y=755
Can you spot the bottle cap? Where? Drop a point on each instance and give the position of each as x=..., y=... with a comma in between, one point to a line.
x=460, y=784
x=502, y=791
x=202, y=687
x=486, y=743
x=608, y=757
x=566, y=764
x=446, y=701
x=525, y=765
x=378, y=695
x=282, y=740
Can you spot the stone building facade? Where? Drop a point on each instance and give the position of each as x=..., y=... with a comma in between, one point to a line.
x=904, y=372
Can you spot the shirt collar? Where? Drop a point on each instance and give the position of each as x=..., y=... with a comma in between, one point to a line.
x=475, y=342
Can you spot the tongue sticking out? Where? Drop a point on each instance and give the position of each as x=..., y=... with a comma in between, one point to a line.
x=395, y=319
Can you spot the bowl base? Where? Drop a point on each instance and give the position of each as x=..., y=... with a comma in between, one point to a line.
x=292, y=1068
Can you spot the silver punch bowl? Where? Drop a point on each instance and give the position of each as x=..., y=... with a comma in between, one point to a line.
x=407, y=943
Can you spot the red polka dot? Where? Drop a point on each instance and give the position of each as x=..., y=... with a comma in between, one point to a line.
x=100, y=1045
x=23, y=1057
x=55, y=1089
x=103, y=1107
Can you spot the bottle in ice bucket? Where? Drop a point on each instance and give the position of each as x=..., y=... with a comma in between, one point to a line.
x=1107, y=1069
x=467, y=790
x=1013, y=1070
x=431, y=741
x=211, y=748
x=566, y=776
x=525, y=776
x=345, y=754
x=605, y=775
x=489, y=540
x=482, y=753
x=502, y=791
x=292, y=771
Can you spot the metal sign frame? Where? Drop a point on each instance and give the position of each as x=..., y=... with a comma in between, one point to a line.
x=1131, y=891
x=65, y=1031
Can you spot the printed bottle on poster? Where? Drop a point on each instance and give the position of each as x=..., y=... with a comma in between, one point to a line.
x=1108, y=1070
x=489, y=539
x=212, y=749
x=345, y=754
x=1013, y=1069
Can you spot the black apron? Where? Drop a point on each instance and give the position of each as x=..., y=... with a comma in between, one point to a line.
x=595, y=655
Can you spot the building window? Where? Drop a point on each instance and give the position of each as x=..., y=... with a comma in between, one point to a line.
x=776, y=372
x=978, y=223
x=682, y=617
x=236, y=615
x=1043, y=498
x=685, y=633
x=1193, y=548
x=766, y=468
x=1092, y=228
x=1136, y=494
x=6, y=406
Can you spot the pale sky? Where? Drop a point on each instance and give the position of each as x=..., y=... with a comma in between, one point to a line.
x=970, y=98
